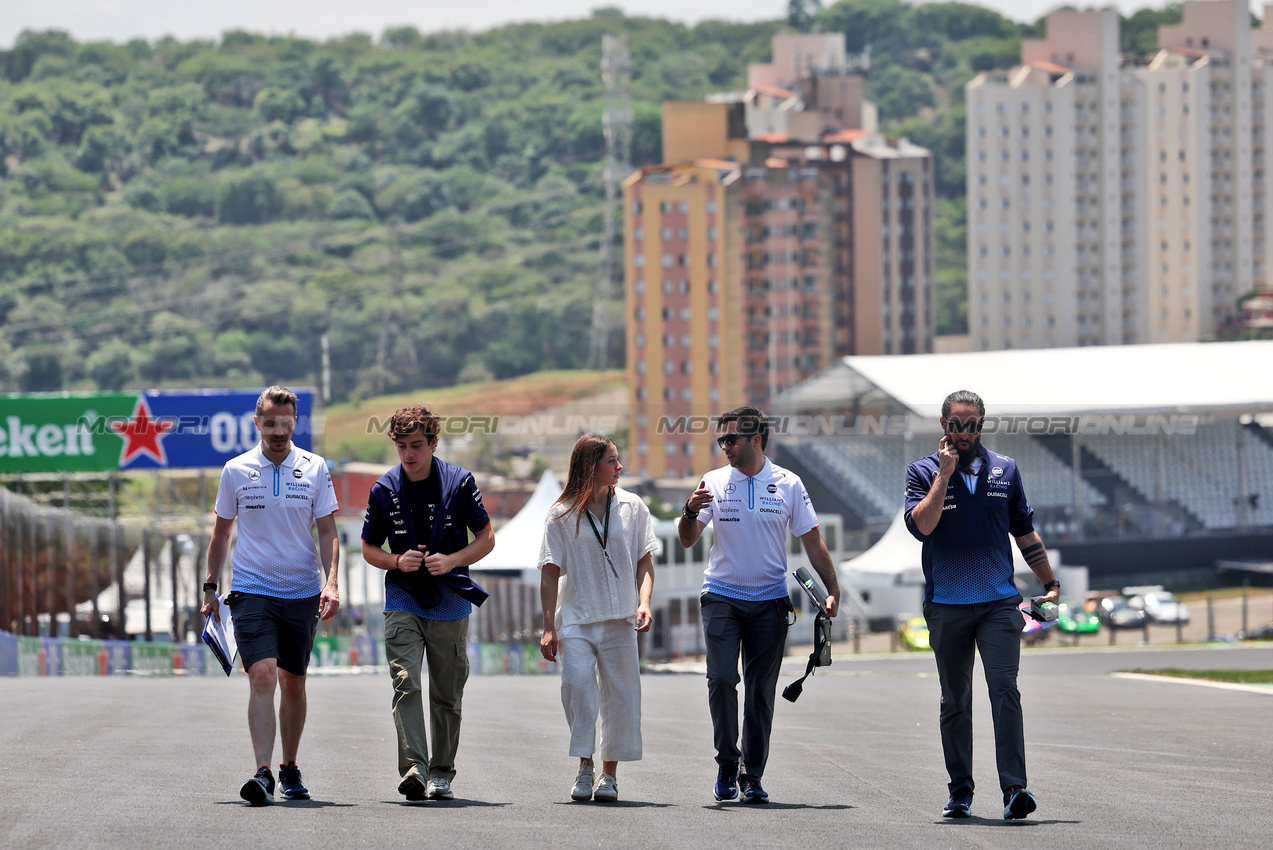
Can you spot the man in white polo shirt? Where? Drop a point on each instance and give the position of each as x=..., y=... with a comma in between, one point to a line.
x=751, y=504
x=277, y=492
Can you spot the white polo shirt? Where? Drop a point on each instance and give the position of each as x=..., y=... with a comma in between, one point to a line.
x=750, y=518
x=276, y=506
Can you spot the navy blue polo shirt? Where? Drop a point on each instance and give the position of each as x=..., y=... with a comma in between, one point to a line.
x=968, y=556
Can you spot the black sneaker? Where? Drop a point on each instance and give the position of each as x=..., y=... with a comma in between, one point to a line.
x=1017, y=803
x=259, y=790
x=726, y=782
x=290, y=786
x=958, y=806
x=753, y=793
x=412, y=788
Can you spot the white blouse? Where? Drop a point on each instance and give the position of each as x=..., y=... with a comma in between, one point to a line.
x=592, y=587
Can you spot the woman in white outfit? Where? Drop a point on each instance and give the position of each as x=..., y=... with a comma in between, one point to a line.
x=597, y=576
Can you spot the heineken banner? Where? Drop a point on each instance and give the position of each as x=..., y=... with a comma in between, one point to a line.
x=91, y=432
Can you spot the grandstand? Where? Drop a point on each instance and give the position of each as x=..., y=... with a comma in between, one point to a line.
x=1151, y=442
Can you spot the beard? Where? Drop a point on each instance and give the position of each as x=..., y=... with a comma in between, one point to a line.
x=967, y=456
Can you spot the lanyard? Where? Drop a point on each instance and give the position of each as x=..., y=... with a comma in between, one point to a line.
x=603, y=536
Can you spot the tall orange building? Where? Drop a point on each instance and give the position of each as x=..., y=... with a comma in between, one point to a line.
x=774, y=240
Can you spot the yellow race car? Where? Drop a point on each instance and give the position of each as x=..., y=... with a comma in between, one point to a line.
x=914, y=634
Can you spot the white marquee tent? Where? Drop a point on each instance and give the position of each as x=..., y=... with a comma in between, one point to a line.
x=517, y=541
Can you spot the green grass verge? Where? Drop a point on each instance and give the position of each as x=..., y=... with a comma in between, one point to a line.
x=1246, y=677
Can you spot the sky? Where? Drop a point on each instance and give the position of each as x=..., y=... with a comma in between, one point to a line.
x=121, y=20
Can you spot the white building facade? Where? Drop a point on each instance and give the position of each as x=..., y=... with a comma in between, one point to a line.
x=1114, y=200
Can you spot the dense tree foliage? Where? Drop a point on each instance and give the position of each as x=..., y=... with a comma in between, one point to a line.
x=198, y=213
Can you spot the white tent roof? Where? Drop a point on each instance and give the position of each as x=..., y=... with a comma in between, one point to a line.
x=517, y=541
x=897, y=551
x=1182, y=378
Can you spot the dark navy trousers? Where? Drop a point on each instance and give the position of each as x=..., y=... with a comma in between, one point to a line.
x=992, y=629
x=758, y=632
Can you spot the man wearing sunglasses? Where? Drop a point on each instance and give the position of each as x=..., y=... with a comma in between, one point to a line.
x=752, y=504
x=964, y=502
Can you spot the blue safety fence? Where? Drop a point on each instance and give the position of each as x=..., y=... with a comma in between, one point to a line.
x=50, y=656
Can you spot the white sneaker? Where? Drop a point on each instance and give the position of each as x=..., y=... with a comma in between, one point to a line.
x=583, y=784
x=607, y=789
x=439, y=788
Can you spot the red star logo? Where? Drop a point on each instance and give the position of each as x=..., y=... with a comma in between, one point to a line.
x=142, y=434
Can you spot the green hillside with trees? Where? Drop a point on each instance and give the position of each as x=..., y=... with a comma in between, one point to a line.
x=202, y=214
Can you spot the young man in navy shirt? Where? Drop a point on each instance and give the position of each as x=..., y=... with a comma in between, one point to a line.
x=964, y=502
x=425, y=510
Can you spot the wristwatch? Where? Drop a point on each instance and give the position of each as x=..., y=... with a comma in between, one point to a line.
x=1053, y=583
x=209, y=585
x=686, y=512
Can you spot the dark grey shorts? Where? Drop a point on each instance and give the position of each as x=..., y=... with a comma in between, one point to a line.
x=270, y=627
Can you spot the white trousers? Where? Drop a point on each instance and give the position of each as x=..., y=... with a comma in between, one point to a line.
x=601, y=675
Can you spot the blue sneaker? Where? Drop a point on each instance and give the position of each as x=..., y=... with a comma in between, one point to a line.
x=753, y=793
x=259, y=790
x=726, y=782
x=958, y=806
x=290, y=786
x=1017, y=803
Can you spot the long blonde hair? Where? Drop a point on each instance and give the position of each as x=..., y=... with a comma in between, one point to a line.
x=585, y=457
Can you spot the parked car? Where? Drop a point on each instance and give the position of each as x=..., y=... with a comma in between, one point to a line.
x=1161, y=607
x=1262, y=633
x=914, y=633
x=1073, y=619
x=1114, y=612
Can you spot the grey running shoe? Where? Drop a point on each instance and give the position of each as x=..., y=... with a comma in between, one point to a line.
x=439, y=788
x=259, y=790
x=607, y=790
x=583, y=783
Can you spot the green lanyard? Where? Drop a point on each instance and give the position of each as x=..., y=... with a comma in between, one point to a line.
x=603, y=536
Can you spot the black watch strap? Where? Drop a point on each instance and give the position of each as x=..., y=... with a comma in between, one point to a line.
x=686, y=512
x=1053, y=583
x=209, y=585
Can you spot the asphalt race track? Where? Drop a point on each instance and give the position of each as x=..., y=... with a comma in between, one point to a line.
x=1114, y=762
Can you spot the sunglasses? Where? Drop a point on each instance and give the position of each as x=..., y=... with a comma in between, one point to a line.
x=729, y=439
x=954, y=426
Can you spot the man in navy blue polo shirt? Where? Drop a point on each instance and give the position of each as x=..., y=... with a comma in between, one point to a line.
x=425, y=510
x=964, y=502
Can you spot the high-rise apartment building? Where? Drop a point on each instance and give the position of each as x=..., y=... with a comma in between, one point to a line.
x=782, y=232
x=1116, y=200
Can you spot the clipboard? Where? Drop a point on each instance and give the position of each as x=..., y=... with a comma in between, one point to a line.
x=220, y=637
